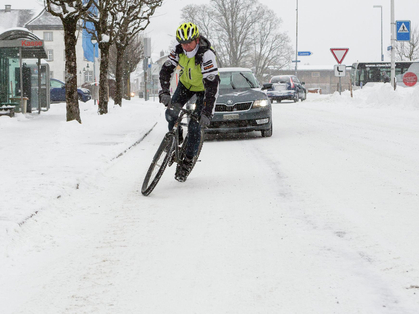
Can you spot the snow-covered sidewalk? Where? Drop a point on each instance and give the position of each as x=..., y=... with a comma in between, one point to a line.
x=44, y=157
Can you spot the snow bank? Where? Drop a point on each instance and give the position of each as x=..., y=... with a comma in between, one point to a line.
x=374, y=96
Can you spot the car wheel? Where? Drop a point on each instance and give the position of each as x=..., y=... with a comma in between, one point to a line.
x=305, y=97
x=267, y=133
x=296, y=97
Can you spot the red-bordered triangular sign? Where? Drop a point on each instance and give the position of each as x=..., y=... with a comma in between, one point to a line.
x=339, y=53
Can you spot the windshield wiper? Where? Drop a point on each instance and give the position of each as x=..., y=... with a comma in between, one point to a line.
x=247, y=80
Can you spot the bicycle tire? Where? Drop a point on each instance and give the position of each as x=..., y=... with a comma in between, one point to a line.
x=158, y=164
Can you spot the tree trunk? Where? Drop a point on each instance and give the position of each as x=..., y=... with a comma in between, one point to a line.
x=127, y=81
x=72, y=99
x=120, y=51
x=103, y=79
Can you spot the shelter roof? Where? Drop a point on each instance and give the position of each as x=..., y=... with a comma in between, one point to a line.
x=14, y=38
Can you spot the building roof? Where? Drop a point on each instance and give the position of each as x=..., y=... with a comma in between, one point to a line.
x=10, y=18
x=44, y=21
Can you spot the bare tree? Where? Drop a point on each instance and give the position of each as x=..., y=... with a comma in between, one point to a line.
x=70, y=13
x=103, y=16
x=134, y=16
x=270, y=48
x=408, y=50
x=133, y=54
x=243, y=32
x=201, y=15
x=235, y=20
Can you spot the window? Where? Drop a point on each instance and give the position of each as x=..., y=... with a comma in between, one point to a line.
x=48, y=36
x=88, y=76
x=50, y=55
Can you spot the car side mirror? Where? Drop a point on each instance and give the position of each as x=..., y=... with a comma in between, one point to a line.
x=267, y=86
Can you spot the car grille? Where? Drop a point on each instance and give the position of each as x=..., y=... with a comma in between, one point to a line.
x=243, y=106
x=232, y=124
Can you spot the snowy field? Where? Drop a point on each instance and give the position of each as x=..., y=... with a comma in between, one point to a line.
x=320, y=218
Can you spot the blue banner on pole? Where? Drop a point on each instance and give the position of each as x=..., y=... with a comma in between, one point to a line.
x=90, y=50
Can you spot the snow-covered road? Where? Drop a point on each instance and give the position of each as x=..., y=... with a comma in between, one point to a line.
x=320, y=218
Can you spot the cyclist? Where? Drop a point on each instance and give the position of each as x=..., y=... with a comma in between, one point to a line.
x=198, y=76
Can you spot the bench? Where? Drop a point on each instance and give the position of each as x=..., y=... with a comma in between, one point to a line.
x=7, y=110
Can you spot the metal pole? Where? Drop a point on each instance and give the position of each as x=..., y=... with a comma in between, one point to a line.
x=145, y=78
x=39, y=85
x=382, y=54
x=94, y=69
x=381, y=8
x=22, y=107
x=393, y=43
x=296, y=39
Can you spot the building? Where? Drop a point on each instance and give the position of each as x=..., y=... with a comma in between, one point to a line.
x=50, y=29
x=11, y=18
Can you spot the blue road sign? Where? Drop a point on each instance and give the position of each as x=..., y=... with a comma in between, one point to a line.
x=305, y=53
x=403, y=30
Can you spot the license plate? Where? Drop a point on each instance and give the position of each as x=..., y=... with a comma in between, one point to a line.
x=230, y=116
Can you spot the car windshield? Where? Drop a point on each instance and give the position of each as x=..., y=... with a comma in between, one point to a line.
x=237, y=80
x=280, y=79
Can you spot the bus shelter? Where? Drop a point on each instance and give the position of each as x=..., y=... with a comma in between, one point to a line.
x=24, y=76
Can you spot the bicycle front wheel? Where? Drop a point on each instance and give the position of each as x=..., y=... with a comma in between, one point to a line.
x=159, y=163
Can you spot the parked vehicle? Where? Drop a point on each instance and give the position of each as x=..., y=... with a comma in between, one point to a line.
x=241, y=105
x=57, y=91
x=280, y=91
x=283, y=87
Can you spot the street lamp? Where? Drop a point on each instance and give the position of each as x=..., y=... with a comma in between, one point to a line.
x=296, y=37
x=381, y=8
x=94, y=42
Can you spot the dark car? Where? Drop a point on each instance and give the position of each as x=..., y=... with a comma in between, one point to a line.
x=286, y=87
x=57, y=92
x=241, y=105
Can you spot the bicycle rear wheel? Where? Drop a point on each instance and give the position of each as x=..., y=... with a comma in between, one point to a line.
x=158, y=165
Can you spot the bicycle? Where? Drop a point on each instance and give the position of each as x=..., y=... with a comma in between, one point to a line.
x=169, y=152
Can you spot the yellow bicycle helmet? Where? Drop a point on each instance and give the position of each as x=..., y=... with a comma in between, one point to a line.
x=186, y=33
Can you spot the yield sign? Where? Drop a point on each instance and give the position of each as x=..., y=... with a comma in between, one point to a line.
x=339, y=53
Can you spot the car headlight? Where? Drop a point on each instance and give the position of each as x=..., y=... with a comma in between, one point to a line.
x=260, y=103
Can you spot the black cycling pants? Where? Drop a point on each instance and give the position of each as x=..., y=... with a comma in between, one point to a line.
x=180, y=98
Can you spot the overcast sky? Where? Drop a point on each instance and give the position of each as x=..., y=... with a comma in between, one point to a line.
x=322, y=24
